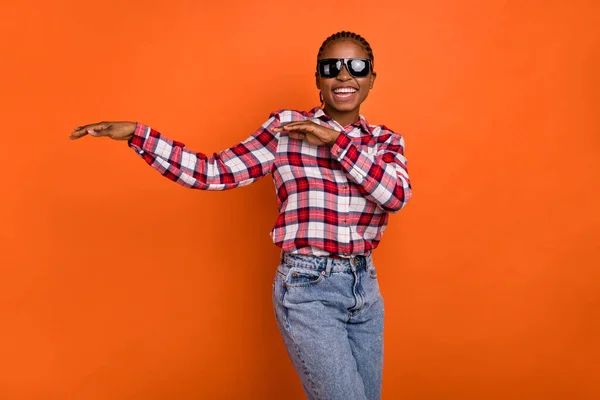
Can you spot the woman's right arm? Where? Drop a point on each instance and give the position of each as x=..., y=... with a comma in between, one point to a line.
x=237, y=166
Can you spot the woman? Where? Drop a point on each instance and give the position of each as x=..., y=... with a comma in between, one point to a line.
x=337, y=180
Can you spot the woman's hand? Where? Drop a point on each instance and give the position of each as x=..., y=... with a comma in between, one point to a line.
x=121, y=130
x=309, y=131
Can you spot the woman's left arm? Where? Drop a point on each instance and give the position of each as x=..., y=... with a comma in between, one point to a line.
x=382, y=177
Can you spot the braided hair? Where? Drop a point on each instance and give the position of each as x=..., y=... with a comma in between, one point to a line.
x=348, y=36
x=345, y=35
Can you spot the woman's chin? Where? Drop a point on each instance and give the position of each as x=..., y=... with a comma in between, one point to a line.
x=343, y=107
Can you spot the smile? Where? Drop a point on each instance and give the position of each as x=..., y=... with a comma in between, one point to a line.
x=344, y=93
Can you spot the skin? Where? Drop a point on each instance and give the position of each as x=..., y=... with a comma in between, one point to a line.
x=117, y=130
x=344, y=112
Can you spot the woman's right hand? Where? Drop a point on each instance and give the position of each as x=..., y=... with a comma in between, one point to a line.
x=118, y=130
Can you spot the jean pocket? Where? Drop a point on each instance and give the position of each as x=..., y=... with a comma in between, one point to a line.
x=298, y=277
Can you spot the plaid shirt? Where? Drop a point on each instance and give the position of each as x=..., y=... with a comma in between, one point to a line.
x=333, y=200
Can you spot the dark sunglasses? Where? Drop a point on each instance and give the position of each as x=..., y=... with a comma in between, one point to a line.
x=331, y=67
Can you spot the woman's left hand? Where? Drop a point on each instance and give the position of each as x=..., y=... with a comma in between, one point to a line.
x=307, y=130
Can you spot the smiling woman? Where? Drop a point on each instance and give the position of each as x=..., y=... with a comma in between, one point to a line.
x=337, y=179
x=348, y=58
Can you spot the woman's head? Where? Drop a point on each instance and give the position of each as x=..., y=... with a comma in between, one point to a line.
x=344, y=72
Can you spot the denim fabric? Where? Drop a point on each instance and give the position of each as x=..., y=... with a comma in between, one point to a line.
x=330, y=315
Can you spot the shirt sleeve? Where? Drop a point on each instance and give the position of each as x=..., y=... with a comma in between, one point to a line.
x=382, y=177
x=237, y=166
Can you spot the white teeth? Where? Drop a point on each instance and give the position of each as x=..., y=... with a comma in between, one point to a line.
x=344, y=90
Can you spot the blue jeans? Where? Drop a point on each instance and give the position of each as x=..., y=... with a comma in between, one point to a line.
x=330, y=315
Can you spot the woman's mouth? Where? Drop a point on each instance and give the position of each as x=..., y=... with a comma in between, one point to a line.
x=344, y=93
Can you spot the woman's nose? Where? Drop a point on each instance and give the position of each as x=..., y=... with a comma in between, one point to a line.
x=344, y=75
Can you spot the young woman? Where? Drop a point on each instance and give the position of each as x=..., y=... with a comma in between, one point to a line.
x=337, y=179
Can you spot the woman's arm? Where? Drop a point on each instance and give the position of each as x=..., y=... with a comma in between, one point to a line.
x=237, y=166
x=381, y=177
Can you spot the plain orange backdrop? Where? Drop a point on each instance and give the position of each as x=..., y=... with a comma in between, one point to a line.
x=116, y=283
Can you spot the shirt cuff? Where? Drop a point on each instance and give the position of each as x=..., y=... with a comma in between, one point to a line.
x=339, y=147
x=140, y=134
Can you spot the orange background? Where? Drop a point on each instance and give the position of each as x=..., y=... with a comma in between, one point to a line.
x=116, y=283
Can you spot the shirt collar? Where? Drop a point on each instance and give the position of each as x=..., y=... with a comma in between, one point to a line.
x=362, y=123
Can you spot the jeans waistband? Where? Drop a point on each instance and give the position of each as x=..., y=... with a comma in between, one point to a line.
x=321, y=263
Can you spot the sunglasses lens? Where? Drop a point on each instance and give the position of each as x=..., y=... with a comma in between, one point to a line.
x=329, y=68
x=358, y=67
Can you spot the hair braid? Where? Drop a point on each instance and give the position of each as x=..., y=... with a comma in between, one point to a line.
x=347, y=35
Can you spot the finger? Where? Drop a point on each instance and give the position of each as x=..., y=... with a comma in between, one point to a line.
x=297, y=135
x=295, y=125
x=290, y=125
x=280, y=128
x=78, y=134
x=298, y=128
x=96, y=129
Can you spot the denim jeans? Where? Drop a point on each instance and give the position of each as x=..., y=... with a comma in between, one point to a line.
x=330, y=315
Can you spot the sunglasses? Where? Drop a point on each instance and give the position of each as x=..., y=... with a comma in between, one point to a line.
x=331, y=67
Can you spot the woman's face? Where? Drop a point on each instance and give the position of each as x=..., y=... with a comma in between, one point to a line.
x=344, y=93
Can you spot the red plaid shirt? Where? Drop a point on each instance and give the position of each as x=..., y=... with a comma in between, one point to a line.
x=333, y=200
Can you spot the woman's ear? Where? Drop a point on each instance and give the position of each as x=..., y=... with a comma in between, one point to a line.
x=372, y=79
x=317, y=81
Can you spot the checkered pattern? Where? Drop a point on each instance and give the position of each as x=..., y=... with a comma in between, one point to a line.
x=333, y=200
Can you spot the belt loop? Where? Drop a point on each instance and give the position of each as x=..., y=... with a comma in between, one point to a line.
x=328, y=267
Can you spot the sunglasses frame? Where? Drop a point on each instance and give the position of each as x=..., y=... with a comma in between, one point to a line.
x=346, y=62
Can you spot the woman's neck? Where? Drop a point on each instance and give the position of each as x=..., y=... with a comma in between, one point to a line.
x=344, y=118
